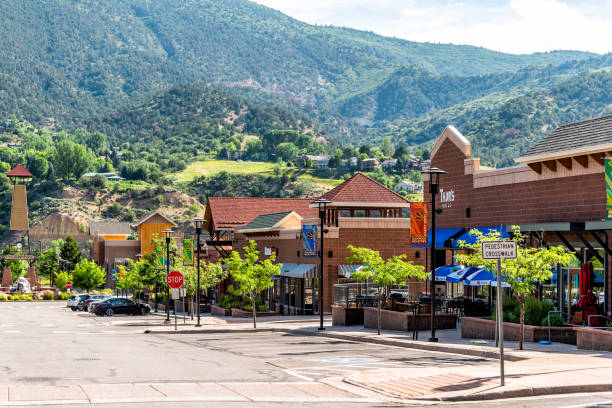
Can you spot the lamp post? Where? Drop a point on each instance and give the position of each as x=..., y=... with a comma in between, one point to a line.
x=322, y=204
x=434, y=184
x=198, y=224
x=167, y=235
x=138, y=258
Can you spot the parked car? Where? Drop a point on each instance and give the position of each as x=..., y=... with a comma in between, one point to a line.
x=85, y=302
x=113, y=306
x=73, y=301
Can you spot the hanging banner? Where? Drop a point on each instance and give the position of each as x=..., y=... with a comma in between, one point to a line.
x=608, y=188
x=188, y=252
x=159, y=257
x=418, y=223
x=309, y=241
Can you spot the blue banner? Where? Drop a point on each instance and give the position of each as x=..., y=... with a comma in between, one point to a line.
x=309, y=241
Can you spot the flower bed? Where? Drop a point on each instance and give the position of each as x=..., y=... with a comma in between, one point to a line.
x=591, y=338
x=235, y=312
x=401, y=321
x=346, y=316
x=478, y=328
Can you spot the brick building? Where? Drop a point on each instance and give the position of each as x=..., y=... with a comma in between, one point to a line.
x=556, y=194
x=362, y=213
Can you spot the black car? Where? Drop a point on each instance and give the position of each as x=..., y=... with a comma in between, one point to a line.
x=113, y=306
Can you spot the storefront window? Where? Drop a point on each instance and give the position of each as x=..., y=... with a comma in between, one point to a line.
x=360, y=213
x=345, y=213
x=375, y=213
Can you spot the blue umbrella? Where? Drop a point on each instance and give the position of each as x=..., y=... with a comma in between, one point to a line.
x=443, y=271
x=460, y=275
x=504, y=283
x=481, y=277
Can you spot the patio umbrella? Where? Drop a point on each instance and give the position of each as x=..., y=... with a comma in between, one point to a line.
x=460, y=275
x=481, y=277
x=443, y=271
x=504, y=283
x=585, y=285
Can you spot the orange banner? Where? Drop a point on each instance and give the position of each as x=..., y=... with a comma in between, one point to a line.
x=418, y=223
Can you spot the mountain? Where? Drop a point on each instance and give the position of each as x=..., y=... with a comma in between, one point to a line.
x=66, y=60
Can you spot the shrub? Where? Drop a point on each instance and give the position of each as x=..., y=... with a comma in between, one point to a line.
x=3, y=298
x=536, y=311
x=48, y=295
x=64, y=296
x=555, y=320
x=228, y=302
x=13, y=297
x=109, y=291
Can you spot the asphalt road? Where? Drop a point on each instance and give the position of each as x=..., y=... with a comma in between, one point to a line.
x=45, y=344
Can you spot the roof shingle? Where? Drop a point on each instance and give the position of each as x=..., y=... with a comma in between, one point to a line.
x=232, y=212
x=592, y=132
x=266, y=220
x=19, y=171
x=363, y=189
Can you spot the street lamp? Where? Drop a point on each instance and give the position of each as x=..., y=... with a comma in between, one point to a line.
x=167, y=234
x=434, y=184
x=198, y=224
x=322, y=204
x=138, y=258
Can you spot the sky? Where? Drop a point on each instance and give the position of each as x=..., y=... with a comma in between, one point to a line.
x=513, y=26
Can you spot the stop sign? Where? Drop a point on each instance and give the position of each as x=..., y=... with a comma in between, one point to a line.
x=175, y=279
x=68, y=285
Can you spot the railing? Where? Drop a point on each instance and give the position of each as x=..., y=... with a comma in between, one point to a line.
x=600, y=316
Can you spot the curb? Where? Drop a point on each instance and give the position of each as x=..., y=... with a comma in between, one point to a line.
x=525, y=392
x=211, y=331
x=438, y=347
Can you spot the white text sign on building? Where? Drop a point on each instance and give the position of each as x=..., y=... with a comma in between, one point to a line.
x=499, y=250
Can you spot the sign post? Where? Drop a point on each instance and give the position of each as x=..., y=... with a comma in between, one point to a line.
x=499, y=250
x=68, y=285
x=175, y=281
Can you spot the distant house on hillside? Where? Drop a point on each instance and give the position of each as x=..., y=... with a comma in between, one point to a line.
x=408, y=186
x=389, y=165
x=316, y=162
x=109, y=176
x=369, y=164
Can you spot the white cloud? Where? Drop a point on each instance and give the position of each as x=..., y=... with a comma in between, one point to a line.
x=517, y=26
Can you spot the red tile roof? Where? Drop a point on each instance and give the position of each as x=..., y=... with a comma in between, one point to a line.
x=363, y=189
x=231, y=212
x=19, y=171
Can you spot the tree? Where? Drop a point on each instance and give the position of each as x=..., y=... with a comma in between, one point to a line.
x=383, y=272
x=60, y=280
x=252, y=275
x=531, y=266
x=47, y=264
x=70, y=252
x=210, y=275
x=88, y=275
x=18, y=268
x=287, y=151
x=387, y=146
x=70, y=160
x=128, y=278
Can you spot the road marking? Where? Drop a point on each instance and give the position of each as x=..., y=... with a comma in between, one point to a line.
x=293, y=373
x=47, y=325
x=12, y=331
x=60, y=332
x=8, y=325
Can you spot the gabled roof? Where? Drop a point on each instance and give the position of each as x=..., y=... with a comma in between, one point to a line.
x=110, y=228
x=363, y=190
x=19, y=171
x=452, y=134
x=270, y=222
x=149, y=216
x=233, y=212
x=588, y=136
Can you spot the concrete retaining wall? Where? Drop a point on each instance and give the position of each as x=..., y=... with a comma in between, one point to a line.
x=477, y=328
x=588, y=338
x=343, y=316
x=400, y=321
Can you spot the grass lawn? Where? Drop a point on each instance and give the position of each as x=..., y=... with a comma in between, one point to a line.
x=210, y=167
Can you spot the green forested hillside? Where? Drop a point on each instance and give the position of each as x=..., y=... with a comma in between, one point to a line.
x=68, y=59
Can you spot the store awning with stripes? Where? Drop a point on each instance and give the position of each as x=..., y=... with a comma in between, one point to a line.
x=303, y=271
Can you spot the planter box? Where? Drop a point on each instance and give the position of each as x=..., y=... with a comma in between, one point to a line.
x=401, y=321
x=219, y=311
x=243, y=313
x=346, y=316
x=478, y=328
x=589, y=338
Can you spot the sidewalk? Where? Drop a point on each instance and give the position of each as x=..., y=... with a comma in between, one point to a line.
x=538, y=370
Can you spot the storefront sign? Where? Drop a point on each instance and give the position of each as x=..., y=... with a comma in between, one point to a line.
x=447, y=197
x=309, y=241
x=418, y=223
x=188, y=252
x=609, y=189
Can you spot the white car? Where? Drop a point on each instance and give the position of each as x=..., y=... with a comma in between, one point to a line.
x=73, y=302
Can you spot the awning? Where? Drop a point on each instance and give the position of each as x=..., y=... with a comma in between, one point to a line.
x=443, y=271
x=471, y=239
x=345, y=270
x=461, y=274
x=305, y=271
x=442, y=236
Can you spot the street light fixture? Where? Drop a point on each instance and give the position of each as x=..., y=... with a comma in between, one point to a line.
x=434, y=184
x=167, y=234
x=322, y=204
x=198, y=226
